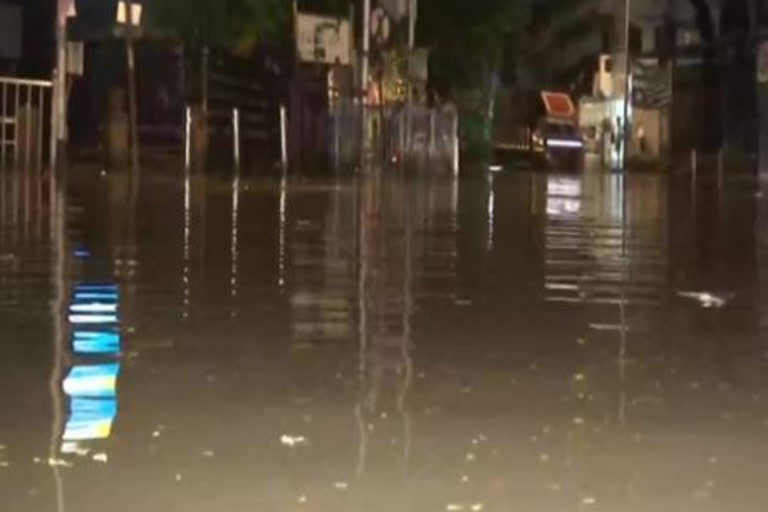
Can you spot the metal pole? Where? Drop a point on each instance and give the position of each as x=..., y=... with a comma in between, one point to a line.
x=627, y=91
x=432, y=125
x=364, y=76
x=283, y=138
x=40, y=102
x=3, y=139
x=15, y=112
x=456, y=145
x=187, y=138
x=28, y=130
x=132, y=102
x=365, y=46
x=236, y=136
x=59, y=111
x=412, y=14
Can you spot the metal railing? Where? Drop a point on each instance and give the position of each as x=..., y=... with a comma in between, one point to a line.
x=413, y=135
x=23, y=108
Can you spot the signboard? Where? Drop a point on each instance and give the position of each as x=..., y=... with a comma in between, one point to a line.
x=10, y=31
x=650, y=84
x=558, y=105
x=323, y=39
x=762, y=63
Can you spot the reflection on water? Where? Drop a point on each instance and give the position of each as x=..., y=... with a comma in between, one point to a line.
x=511, y=341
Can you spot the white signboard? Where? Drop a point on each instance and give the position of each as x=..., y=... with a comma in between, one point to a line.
x=762, y=63
x=323, y=39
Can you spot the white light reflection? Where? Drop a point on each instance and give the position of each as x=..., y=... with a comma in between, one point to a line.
x=283, y=201
x=491, y=211
x=92, y=319
x=561, y=143
x=185, y=271
x=94, y=307
x=235, y=226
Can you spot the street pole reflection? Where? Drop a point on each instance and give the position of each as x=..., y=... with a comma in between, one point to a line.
x=385, y=287
x=234, y=246
x=282, y=227
x=187, y=221
x=57, y=227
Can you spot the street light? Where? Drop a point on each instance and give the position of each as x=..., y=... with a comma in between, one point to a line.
x=132, y=18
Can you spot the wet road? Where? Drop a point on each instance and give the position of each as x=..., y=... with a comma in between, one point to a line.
x=516, y=342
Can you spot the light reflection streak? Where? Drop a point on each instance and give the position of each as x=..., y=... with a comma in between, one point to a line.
x=187, y=221
x=57, y=206
x=282, y=221
x=491, y=211
x=235, y=227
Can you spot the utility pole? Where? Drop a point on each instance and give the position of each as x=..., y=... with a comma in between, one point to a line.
x=627, y=86
x=132, y=103
x=59, y=109
x=366, y=46
x=412, y=14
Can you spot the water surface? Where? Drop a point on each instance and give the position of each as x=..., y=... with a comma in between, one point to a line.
x=503, y=342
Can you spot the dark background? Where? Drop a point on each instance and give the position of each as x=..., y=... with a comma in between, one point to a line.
x=38, y=38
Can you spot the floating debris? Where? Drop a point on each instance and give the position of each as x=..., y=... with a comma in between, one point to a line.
x=609, y=327
x=708, y=300
x=101, y=457
x=292, y=440
x=59, y=463
x=589, y=500
x=208, y=453
x=301, y=499
x=178, y=477
x=342, y=486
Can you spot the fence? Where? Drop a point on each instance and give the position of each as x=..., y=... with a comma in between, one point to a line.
x=24, y=107
x=412, y=135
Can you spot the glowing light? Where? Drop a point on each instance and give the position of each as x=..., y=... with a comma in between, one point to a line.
x=86, y=342
x=93, y=307
x=562, y=143
x=568, y=187
x=95, y=296
x=92, y=381
x=90, y=419
x=92, y=319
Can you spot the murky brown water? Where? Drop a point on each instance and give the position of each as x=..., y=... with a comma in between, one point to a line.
x=524, y=342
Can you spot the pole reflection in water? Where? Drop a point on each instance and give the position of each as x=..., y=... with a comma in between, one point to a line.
x=234, y=253
x=185, y=285
x=399, y=365
x=386, y=309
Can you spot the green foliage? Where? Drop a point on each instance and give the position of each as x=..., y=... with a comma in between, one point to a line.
x=230, y=24
x=469, y=39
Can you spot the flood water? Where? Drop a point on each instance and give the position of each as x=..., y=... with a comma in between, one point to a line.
x=506, y=342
